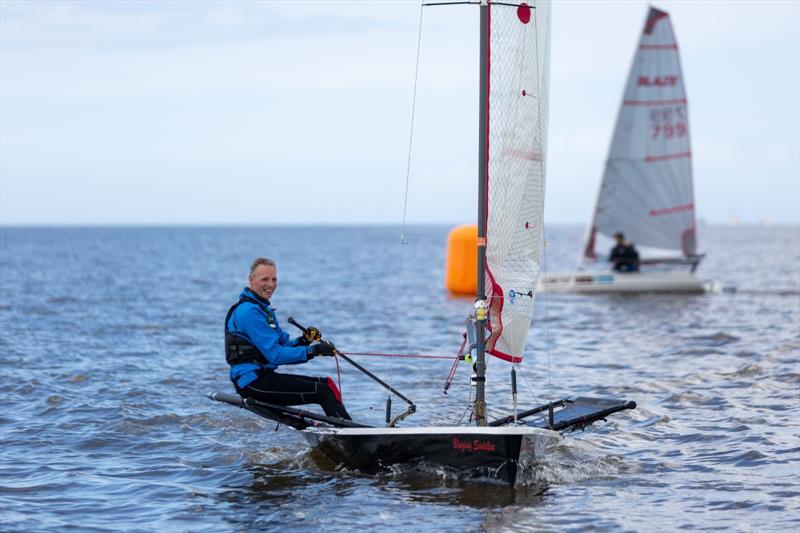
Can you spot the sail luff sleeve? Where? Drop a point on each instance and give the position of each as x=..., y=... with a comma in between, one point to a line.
x=518, y=103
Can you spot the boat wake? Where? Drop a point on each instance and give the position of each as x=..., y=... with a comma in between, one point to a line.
x=570, y=461
x=562, y=461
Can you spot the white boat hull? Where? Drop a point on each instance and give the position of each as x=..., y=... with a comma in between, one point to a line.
x=588, y=282
x=499, y=453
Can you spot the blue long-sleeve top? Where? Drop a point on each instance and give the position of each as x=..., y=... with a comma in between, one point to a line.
x=259, y=325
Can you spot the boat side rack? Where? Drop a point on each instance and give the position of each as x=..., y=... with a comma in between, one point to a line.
x=569, y=414
x=289, y=416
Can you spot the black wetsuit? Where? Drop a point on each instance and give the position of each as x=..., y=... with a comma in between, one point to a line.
x=292, y=389
x=625, y=258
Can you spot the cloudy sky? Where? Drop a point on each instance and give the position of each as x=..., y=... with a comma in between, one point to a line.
x=299, y=112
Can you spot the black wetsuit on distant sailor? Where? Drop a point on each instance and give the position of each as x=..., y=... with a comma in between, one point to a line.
x=624, y=257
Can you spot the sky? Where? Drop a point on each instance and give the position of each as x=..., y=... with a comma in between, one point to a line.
x=300, y=112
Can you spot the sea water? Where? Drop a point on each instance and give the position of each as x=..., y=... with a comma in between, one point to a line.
x=110, y=339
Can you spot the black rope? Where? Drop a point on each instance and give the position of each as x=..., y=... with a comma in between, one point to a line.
x=449, y=3
x=411, y=133
x=509, y=4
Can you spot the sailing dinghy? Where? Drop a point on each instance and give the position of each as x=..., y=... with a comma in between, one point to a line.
x=646, y=191
x=514, y=53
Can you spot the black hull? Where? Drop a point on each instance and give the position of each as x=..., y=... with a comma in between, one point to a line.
x=494, y=455
x=498, y=451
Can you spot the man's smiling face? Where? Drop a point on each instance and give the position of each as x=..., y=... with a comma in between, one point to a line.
x=264, y=281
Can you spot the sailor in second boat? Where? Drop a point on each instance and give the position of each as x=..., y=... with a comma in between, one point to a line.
x=624, y=257
x=255, y=345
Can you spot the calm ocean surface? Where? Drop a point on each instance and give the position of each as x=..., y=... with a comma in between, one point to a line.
x=110, y=339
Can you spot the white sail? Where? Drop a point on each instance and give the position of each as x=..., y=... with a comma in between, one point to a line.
x=519, y=50
x=646, y=191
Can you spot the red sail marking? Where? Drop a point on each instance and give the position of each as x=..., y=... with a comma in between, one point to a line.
x=495, y=311
x=658, y=47
x=524, y=13
x=504, y=356
x=689, y=241
x=496, y=301
x=655, y=102
x=654, y=16
x=654, y=158
x=666, y=80
x=523, y=154
x=589, y=252
x=670, y=210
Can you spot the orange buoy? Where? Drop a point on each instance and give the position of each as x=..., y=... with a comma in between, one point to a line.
x=461, y=273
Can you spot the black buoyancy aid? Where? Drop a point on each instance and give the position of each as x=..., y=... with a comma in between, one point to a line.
x=237, y=348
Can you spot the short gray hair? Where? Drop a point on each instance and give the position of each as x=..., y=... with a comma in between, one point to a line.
x=261, y=261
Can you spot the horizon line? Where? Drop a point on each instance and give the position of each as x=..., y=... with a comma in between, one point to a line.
x=32, y=225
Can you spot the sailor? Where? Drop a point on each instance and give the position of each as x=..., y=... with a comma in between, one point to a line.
x=624, y=257
x=255, y=346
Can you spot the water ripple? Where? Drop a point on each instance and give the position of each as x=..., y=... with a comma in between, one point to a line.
x=104, y=423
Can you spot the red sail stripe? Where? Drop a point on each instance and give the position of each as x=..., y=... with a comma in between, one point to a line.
x=652, y=17
x=505, y=356
x=654, y=158
x=523, y=154
x=669, y=210
x=654, y=102
x=658, y=47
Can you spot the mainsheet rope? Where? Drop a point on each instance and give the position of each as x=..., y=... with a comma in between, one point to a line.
x=408, y=355
x=414, y=355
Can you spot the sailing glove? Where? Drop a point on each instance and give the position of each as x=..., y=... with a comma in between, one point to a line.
x=323, y=348
x=311, y=334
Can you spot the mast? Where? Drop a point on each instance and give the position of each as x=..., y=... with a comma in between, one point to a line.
x=481, y=309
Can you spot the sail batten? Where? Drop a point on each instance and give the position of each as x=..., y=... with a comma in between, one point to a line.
x=647, y=191
x=517, y=130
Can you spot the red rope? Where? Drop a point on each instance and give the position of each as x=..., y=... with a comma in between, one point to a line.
x=452, y=373
x=417, y=355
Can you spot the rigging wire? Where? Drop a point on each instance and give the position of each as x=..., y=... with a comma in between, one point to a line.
x=400, y=279
x=460, y=3
x=536, y=398
x=544, y=236
x=411, y=133
x=547, y=318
